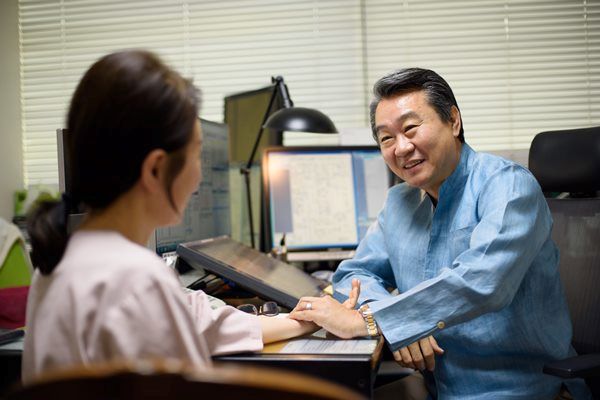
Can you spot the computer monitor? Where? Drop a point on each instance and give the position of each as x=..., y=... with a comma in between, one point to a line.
x=64, y=160
x=244, y=113
x=322, y=198
x=207, y=213
x=64, y=156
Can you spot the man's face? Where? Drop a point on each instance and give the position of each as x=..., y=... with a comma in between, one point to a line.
x=415, y=143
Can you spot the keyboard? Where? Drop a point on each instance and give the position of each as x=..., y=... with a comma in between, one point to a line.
x=190, y=277
x=320, y=255
x=170, y=258
x=213, y=301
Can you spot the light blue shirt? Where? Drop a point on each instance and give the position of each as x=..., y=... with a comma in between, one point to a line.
x=479, y=272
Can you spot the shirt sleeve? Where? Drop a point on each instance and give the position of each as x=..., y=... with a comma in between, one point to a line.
x=158, y=320
x=226, y=329
x=514, y=223
x=152, y=320
x=370, y=265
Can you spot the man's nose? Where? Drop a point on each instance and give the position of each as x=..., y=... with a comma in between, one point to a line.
x=403, y=146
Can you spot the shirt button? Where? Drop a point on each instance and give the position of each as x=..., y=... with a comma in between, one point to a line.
x=441, y=325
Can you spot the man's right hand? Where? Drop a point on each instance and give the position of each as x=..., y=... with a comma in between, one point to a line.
x=419, y=355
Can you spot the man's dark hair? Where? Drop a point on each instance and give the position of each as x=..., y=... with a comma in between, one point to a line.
x=438, y=92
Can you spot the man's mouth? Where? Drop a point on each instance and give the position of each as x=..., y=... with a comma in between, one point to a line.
x=412, y=164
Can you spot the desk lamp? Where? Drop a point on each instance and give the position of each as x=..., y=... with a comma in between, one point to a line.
x=289, y=118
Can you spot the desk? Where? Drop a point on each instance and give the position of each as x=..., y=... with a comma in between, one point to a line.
x=10, y=365
x=356, y=371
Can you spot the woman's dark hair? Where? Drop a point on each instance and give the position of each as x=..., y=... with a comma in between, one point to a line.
x=439, y=94
x=126, y=105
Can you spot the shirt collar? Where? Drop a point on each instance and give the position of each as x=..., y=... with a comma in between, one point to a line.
x=459, y=176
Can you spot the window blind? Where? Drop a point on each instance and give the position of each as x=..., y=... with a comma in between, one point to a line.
x=517, y=67
x=225, y=46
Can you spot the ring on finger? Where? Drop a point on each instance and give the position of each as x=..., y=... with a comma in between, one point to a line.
x=308, y=306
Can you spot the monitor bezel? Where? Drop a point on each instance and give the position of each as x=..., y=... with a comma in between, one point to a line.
x=267, y=236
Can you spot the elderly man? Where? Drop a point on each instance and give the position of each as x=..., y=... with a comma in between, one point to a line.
x=466, y=242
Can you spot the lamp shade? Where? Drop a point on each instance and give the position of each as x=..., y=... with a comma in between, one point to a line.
x=300, y=119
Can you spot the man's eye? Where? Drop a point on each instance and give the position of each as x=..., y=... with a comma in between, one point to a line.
x=409, y=127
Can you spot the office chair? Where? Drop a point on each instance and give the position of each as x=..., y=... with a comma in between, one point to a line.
x=567, y=167
x=148, y=379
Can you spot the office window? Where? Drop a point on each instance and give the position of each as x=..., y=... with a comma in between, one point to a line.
x=226, y=46
x=518, y=67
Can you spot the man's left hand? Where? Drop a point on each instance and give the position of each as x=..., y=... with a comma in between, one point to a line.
x=419, y=355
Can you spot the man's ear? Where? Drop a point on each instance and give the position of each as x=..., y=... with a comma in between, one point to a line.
x=153, y=171
x=456, y=121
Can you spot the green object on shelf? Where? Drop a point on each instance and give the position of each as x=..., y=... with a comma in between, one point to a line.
x=19, y=202
x=15, y=270
x=27, y=199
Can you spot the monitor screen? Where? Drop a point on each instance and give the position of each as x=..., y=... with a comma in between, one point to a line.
x=255, y=271
x=323, y=197
x=244, y=113
x=207, y=212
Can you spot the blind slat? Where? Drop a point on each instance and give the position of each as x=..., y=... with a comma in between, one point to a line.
x=517, y=68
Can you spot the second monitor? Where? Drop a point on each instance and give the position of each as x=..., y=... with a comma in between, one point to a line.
x=322, y=198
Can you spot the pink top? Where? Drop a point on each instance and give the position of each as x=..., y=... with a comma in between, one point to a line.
x=110, y=298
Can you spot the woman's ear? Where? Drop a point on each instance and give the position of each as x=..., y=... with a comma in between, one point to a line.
x=153, y=171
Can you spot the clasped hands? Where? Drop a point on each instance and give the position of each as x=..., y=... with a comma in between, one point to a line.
x=344, y=321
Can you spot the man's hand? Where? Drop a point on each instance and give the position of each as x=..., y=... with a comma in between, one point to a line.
x=419, y=355
x=341, y=319
x=352, y=299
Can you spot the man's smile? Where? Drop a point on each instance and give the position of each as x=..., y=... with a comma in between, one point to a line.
x=412, y=164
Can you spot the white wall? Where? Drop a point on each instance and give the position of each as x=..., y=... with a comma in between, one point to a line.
x=11, y=170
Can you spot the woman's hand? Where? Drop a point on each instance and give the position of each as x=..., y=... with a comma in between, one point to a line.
x=341, y=319
x=419, y=355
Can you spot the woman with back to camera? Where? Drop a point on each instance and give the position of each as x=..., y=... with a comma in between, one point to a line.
x=100, y=294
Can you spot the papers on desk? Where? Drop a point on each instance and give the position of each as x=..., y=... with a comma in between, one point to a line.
x=329, y=346
x=321, y=342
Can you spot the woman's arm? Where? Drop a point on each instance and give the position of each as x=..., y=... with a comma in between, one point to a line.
x=275, y=329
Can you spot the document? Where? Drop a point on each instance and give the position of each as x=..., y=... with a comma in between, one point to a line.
x=321, y=342
x=329, y=346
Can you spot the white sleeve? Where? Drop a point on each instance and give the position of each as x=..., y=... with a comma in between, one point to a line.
x=157, y=320
x=151, y=321
x=226, y=329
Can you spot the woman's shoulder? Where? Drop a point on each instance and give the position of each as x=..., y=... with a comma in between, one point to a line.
x=109, y=258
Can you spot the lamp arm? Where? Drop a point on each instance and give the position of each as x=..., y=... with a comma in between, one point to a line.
x=285, y=95
x=278, y=85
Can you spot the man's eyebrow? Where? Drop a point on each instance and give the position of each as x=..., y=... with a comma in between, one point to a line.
x=399, y=120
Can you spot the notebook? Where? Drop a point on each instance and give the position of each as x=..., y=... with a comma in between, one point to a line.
x=256, y=272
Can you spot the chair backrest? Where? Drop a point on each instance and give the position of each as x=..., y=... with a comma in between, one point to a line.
x=576, y=232
x=173, y=379
x=568, y=162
